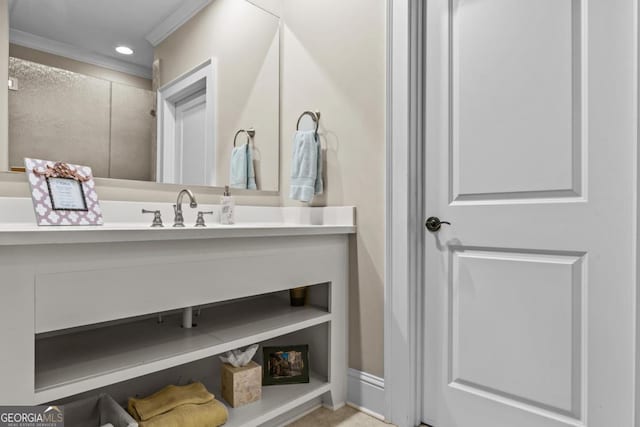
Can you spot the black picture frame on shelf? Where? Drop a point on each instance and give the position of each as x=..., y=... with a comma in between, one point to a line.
x=285, y=365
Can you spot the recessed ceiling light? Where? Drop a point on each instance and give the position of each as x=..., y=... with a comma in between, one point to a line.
x=124, y=50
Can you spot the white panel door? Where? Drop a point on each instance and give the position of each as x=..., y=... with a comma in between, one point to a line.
x=191, y=125
x=530, y=154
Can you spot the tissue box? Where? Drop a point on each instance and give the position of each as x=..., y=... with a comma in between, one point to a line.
x=241, y=385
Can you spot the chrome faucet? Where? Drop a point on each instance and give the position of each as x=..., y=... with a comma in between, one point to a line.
x=177, y=208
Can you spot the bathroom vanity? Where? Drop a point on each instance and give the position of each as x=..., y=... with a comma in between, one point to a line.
x=101, y=309
x=88, y=309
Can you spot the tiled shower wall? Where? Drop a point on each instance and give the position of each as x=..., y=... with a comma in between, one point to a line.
x=61, y=115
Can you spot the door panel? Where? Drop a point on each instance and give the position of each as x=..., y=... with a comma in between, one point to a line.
x=530, y=153
x=515, y=87
x=191, y=165
x=516, y=326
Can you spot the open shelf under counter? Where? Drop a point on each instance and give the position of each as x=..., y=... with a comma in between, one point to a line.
x=276, y=400
x=79, y=361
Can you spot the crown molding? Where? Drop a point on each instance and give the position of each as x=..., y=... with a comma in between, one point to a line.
x=66, y=50
x=272, y=7
x=174, y=21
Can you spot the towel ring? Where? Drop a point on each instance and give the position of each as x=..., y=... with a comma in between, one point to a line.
x=315, y=116
x=251, y=132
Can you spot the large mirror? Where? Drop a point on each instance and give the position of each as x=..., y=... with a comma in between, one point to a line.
x=170, y=91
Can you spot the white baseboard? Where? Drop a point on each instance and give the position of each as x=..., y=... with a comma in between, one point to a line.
x=365, y=392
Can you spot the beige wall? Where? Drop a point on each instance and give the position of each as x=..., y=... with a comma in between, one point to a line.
x=333, y=59
x=243, y=40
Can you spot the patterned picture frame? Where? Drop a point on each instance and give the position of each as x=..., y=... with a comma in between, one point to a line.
x=40, y=172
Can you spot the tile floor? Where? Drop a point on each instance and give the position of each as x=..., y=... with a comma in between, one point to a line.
x=345, y=417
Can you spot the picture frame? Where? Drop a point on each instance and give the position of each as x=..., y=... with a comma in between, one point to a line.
x=285, y=365
x=66, y=194
x=62, y=193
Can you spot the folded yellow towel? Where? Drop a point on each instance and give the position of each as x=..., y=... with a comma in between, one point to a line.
x=167, y=399
x=212, y=414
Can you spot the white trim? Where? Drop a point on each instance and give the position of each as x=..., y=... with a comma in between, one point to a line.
x=404, y=233
x=366, y=378
x=179, y=17
x=204, y=76
x=274, y=11
x=66, y=50
x=365, y=392
x=636, y=18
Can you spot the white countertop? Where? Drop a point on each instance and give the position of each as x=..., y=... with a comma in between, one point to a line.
x=124, y=222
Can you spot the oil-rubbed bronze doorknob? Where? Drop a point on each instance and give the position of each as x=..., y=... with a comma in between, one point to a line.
x=433, y=223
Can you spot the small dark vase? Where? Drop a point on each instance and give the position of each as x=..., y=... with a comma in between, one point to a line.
x=298, y=296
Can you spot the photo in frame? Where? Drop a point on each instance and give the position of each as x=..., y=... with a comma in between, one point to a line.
x=63, y=193
x=285, y=365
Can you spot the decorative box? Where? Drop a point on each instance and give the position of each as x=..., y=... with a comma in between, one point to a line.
x=243, y=385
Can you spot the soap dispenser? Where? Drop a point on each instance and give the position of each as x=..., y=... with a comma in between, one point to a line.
x=227, y=214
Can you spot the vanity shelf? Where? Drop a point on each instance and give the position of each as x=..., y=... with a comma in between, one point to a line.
x=277, y=400
x=79, y=361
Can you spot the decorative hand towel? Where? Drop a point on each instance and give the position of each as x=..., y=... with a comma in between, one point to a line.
x=306, y=167
x=168, y=399
x=241, y=172
x=212, y=414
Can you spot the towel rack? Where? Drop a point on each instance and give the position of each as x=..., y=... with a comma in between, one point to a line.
x=315, y=116
x=251, y=132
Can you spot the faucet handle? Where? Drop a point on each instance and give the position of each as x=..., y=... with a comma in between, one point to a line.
x=178, y=220
x=200, y=219
x=157, y=217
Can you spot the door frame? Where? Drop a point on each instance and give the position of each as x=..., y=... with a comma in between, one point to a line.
x=202, y=77
x=404, y=212
x=404, y=236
